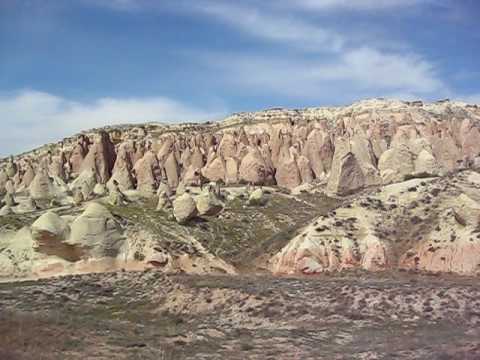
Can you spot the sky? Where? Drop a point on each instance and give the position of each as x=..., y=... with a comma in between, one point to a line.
x=70, y=65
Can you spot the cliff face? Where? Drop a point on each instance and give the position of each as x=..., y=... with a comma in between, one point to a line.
x=336, y=151
x=374, y=142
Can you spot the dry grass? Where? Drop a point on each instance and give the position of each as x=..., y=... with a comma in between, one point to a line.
x=27, y=336
x=147, y=315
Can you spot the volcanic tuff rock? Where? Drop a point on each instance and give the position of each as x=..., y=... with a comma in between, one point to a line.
x=388, y=142
x=342, y=152
x=184, y=208
x=208, y=203
x=429, y=224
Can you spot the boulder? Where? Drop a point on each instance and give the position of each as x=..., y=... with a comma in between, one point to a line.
x=49, y=227
x=184, y=208
x=96, y=232
x=395, y=164
x=208, y=204
x=257, y=198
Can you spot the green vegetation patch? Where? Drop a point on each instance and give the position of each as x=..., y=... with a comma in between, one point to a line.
x=240, y=233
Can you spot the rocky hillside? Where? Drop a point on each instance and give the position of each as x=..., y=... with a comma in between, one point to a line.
x=377, y=185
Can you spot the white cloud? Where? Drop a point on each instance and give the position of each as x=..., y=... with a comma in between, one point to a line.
x=353, y=74
x=32, y=118
x=353, y=67
x=273, y=27
x=362, y=5
x=357, y=5
x=370, y=68
x=261, y=24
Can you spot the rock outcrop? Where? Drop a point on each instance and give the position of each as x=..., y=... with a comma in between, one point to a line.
x=347, y=176
x=184, y=208
x=42, y=186
x=122, y=171
x=147, y=172
x=96, y=232
x=422, y=225
x=375, y=141
x=403, y=170
x=257, y=198
x=100, y=158
x=208, y=204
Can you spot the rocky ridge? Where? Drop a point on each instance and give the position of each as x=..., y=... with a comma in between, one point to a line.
x=65, y=206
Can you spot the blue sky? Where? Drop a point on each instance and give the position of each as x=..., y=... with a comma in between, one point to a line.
x=70, y=65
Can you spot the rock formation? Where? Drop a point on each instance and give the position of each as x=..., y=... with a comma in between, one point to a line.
x=208, y=203
x=147, y=173
x=96, y=232
x=184, y=208
x=428, y=225
x=122, y=171
x=257, y=198
x=372, y=139
x=403, y=171
x=42, y=186
x=100, y=158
